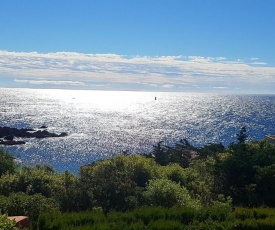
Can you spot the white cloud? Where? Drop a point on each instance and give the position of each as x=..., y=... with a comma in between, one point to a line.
x=167, y=86
x=259, y=63
x=78, y=69
x=47, y=82
x=220, y=87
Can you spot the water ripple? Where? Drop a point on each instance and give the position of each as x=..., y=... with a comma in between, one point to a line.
x=103, y=123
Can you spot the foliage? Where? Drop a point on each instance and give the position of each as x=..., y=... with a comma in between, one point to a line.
x=199, y=179
x=211, y=150
x=72, y=198
x=7, y=164
x=242, y=136
x=248, y=173
x=57, y=220
x=117, y=183
x=30, y=180
x=162, y=218
x=174, y=172
x=29, y=205
x=44, y=180
x=204, y=182
x=7, y=224
x=265, y=185
x=160, y=153
x=180, y=153
x=9, y=183
x=166, y=193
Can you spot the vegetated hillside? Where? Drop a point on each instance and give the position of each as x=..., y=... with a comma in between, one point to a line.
x=179, y=176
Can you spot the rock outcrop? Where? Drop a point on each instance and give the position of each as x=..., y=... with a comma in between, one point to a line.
x=8, y=134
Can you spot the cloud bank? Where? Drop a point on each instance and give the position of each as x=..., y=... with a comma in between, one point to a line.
x=78, y=70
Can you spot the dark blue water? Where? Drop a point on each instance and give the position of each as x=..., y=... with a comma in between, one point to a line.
x=103, y=123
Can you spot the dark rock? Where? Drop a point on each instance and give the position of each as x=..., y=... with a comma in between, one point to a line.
x=9, y=137
x=6, y=131
x=43, y=134
x=10, y=133
x=63, y=134
x=12, y=142
x=43, y=127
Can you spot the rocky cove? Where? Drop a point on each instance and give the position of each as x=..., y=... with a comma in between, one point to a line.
x=8, y=135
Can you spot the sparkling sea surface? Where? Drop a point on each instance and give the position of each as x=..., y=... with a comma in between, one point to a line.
x=104, y=123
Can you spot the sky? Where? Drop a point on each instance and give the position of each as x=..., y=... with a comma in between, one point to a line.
x=224, y=46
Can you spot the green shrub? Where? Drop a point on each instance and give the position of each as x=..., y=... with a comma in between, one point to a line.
x=57, y=220
x=139, y=225
x=164, y=225
x=7, y=164
x=218, y=210
x=161, y=218
x=256, y=218
x=22, y=204
x=166, y=193
x=182, y=214
x=10, y=183
x=6, y=224
x=117, y=183
x=146, y=214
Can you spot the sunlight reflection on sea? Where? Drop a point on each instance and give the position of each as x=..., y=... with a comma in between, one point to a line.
x=103, y=123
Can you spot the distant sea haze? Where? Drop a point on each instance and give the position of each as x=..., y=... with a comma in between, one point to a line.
x=104, y=123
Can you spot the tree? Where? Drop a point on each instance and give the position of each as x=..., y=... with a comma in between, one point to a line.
x=211, y=149
x=160, y=153
x=242, y=137
x=7, y=164
x=248, y=173
x=181, y=153
x=117, y=183
x=73, y=198
x=21, y=204
x=166, y=193
x=265, y=186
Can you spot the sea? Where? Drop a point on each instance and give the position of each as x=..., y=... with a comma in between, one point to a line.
x=101, y=124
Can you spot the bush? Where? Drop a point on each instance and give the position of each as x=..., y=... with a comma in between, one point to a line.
x=166, y=193
x=164, y=225
x=27, y=205
x=161, y=218
x=7, y=224
x=7, y=164
x=174, y=172
x=57, y=220
x=117, y=183
x=9, y=183
x=147, y=214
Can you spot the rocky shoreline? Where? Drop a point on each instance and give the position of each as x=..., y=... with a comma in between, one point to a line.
x=8, y=135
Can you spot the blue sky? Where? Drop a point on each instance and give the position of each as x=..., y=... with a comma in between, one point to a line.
x=174, y=45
